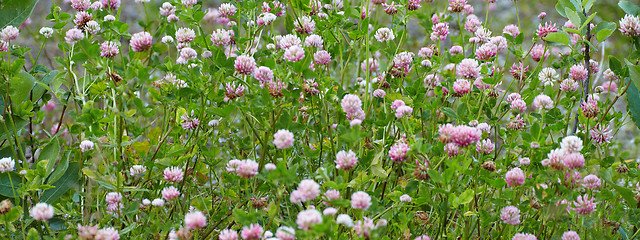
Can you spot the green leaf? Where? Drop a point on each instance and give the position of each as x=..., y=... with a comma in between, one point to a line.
x=629, y=8
x=552, y=115
x=586, y=22
x=562, y=5
x=615, y=65
x=603, y=34
x=20, y=86
x=626, y=193
x=50, y=152
x=33, y=234
x=15, y=12
x=450, y=113
x=559, y=37
x=633, y=96
x=14, y=214
x=465, y=197
x=573, y=16
x=634, y=73
x=68, y=180
x=603, y=30
x=588, y=4
x=535, y=131
x=20, y=124
x=379, y=171
x=5, y=183
x=435, y=176
x=61, y=167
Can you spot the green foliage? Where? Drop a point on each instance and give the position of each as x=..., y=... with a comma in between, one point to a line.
x=15, y=12
x=629, y=7
x=633, y=96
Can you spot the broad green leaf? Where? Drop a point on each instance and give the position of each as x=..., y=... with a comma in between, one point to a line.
x=450, y=113
x=615, y=65
x=15, y=12
x=465, y=197
x=558, y=37
x=33, y=234
x=535, y=130
x=588, y=4
x=552, y=115
x=603, y=34
x=379, y=171
x=633, y=96
x=50, y=152
x=6, y=180
x=629, y=7
x=60, y=169
x=42, y=85
x=435, y=176
x=562, y=5
x=68, y=180
x=20, y=86
x=573, y=16
x=634, y=73
x=603, y=30
x=626, y=193
x=586, y=22
x=14, y=214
